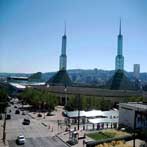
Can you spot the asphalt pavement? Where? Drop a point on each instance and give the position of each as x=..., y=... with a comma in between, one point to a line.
x=36, y=134
x=39, y=142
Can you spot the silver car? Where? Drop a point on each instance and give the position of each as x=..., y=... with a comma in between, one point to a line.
x=20, y=139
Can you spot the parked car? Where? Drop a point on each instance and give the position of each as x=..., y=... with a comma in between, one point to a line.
x=23, y=113
x=15, y=106
x=12, y=103
x=8, y=116
x=20, y=140
x=26, y=121
x=17, y=112
x=39, y=115
x=48, y=114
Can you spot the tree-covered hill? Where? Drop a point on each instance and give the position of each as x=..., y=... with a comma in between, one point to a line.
x=85, y=76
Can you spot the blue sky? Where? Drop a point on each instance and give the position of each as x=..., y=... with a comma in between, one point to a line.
x=31, y=33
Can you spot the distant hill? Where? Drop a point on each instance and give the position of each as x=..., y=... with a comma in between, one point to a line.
x=60, y=78
x=88, y=76
x=119, y=81
x=37, y=77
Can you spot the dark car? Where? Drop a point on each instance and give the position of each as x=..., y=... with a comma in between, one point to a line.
x=26, y=121
x=8, y=116
x=17, y=112
x=15, y=106
x=23, y=113
x=39, y=115
x=12, y=103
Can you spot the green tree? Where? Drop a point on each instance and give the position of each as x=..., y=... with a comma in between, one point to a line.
x=41, y=99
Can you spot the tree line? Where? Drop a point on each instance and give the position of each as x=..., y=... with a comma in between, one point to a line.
x=87, y=103
x=39, y=99
x=93, y=102
x=42, y=99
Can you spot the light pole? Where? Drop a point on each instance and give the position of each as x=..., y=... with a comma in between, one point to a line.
x=78, y=111
x=5, y=115
x=44, y=108
x=134, y=127
x=4, y=126
x=65, y=91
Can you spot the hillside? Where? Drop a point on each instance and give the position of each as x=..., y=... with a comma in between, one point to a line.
x=89, y=76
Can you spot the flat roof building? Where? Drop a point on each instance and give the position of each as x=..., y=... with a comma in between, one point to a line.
x=94, y=119
x=133, y=115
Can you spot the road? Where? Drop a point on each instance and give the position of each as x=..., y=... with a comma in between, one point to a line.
x=39, y=142
x=36, y=134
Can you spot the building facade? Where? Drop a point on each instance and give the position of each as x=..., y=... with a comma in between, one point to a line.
x=136, y=71
x=133, y=115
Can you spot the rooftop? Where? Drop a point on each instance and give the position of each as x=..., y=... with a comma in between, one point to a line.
x=92, y=113
x=19, y=86
x=136, y=106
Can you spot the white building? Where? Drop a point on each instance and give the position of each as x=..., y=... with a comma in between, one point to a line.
x=94, y=119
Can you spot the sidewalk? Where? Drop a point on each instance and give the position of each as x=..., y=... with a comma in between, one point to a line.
x=65, y=137
x=51, y=123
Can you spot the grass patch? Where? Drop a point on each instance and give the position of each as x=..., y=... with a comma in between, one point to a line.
x=101, y=135
x=105, y=134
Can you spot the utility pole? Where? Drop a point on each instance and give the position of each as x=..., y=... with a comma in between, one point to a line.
x=4, y=126
x=65, y=91
x=78, y=111
x=134, y=127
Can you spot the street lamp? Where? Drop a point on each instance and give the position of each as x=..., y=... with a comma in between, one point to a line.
x=134, y=127
x=4, y=126
x=44, y=108
x=47, y=85
x=5, y=115
x=78, y=111
x=65, y=91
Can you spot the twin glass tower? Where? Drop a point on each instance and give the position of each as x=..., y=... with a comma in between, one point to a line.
x=119, y=60
x=63, y=57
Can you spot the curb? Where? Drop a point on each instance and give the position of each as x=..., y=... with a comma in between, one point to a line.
x=63, y=141
x=31, y=116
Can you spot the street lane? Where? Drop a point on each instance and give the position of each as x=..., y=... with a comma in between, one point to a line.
x=39, y=142
x=36, y=134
